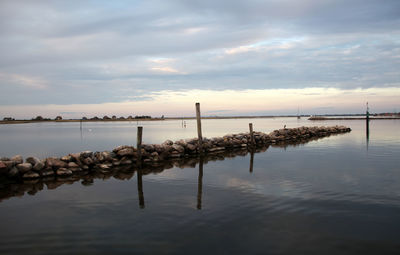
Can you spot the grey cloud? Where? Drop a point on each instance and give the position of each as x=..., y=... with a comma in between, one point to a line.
x=100, y=51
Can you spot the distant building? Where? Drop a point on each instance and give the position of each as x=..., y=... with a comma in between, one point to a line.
x=8, y=119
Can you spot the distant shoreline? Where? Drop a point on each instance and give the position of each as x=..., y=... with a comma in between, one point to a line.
x=140, y=119
x=353, y=118
x=316, y=118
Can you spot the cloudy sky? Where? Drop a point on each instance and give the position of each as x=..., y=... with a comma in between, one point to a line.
x=159, y=57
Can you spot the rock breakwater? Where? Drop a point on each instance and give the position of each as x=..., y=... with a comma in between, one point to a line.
x=154, y=155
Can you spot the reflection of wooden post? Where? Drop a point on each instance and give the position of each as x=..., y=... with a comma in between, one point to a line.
x=251, y=134
x=139, y=145
x=251, y=160
x=140, y=188
x=200, y=184
x=200, y=136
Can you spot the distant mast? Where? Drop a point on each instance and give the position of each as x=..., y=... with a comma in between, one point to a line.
x=298, y=113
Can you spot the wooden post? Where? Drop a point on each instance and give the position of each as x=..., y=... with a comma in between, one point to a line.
x=251, y=134
x=139, y=145
x=200, y=136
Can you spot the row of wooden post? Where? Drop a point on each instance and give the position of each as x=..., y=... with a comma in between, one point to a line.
x=200, y=145
x=199, y=135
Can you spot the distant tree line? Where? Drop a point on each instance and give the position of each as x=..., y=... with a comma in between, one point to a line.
x=118, y=118
x=40, y=118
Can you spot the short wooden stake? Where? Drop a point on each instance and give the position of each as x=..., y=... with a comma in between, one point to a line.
x=200, y=136
x=139, y=145
x=251, y=134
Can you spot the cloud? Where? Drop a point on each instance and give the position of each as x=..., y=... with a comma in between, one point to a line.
x=28, y=82
x=74, y=52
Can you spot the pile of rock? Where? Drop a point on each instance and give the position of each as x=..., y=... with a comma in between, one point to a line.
x=87, y=161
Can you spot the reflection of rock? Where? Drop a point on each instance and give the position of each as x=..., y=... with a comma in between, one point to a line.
x=121, y=162
x=63, y=172
x=31, y=175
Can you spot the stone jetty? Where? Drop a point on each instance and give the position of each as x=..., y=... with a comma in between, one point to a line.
x=153, y=155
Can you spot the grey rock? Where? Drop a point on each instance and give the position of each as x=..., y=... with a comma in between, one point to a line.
x=126, y=152
x=17, y=159
x=55, y=163
x=9, y=163
x=86, y=154
x=4, y=159
x=88, y=161
x=32, y=160
x=148, y=147
x=168, y=142
x=66, y=158
x=191, y=147
x=178, y=148
x=121, y=147
x=107, y=155
x=24, y=167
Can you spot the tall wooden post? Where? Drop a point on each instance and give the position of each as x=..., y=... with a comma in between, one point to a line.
x=251, y=134
x=200, y=136
x=139, y=146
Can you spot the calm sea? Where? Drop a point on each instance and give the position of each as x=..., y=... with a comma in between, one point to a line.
x=336, y=195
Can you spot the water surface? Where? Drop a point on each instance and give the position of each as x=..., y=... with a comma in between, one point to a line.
x=337, y=195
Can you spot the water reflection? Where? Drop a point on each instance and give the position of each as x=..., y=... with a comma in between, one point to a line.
x=200, y=184
x=10, y=189
x=251, y=161
x=140, y=188
x=367, y=131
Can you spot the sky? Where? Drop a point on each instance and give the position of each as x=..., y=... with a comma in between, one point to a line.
x=157, y=57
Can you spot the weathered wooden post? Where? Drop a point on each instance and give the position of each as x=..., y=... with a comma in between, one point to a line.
x=139, y=146
x=251, y=134
x=200, y=136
